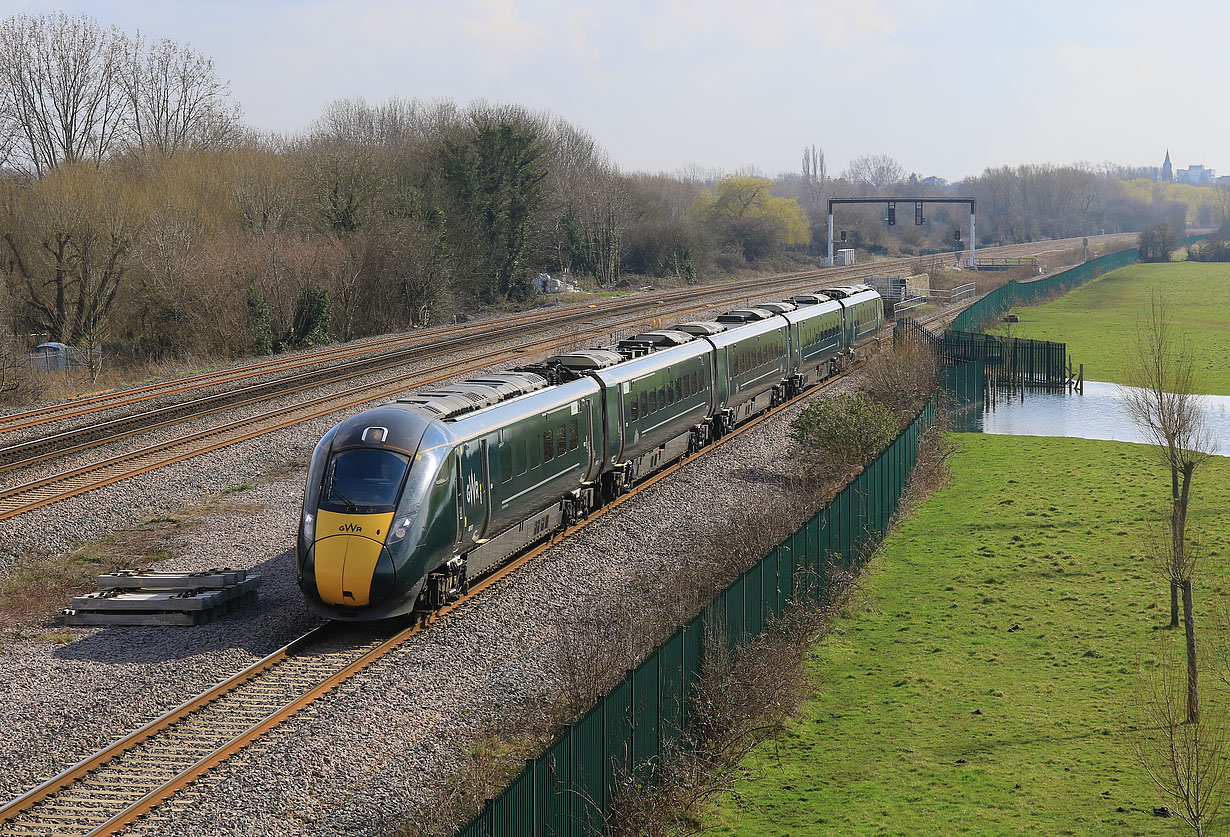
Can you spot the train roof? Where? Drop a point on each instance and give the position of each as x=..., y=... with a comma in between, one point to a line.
x=638, y=366
x=702, y=328
x=845, y=291
x=451, y=401
x=652, y=341
x=745, y=315
x=777, y=307
x=584, y=360
x=752, y=329
x=539, y=402
x=809, y=299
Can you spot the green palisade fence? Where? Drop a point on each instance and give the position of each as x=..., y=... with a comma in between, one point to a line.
x=1001, y=300
x=564, y=791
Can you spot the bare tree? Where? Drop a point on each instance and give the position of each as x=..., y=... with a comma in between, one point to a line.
x=1166, y=407
x=67, y=243
x=876, y=171
x=59, y=87
x=1184, y=758
x=175, y=99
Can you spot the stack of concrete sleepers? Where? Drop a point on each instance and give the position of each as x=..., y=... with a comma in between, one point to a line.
x=158, y=598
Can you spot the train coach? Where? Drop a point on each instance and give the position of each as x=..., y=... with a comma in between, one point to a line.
x=407, y=502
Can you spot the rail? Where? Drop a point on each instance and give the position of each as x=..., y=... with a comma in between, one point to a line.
x=128, y=779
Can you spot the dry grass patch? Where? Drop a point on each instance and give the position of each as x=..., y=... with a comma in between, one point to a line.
x=36, y=590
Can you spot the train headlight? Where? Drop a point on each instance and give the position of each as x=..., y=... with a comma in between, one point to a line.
x=309, y=527
x=400, y=530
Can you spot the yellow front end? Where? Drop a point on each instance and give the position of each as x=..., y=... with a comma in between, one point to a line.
x=347, y=549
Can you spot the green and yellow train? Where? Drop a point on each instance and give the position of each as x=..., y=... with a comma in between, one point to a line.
x=407, y=502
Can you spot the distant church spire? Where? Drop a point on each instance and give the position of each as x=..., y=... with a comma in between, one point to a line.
x=1167, y=172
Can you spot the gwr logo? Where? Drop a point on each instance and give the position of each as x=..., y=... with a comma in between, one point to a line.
x=350, y=527
x=474, y=490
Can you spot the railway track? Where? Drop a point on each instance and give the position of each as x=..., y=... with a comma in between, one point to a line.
x=28, y=496
x=21, y=497
x=112, y=789
x=390, y=346
x=352, y=360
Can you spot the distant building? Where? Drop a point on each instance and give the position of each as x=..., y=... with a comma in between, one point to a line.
x=1167, y=171
x=1196, y=175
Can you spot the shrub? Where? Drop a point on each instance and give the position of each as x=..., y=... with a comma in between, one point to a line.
x=837, y=435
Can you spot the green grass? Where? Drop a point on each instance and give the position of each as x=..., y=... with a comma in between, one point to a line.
x=935, y=714
x=1098, y=321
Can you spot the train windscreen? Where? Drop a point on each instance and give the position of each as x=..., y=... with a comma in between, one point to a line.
x=364, y=480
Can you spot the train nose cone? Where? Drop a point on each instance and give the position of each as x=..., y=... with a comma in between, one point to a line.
x=346, y=562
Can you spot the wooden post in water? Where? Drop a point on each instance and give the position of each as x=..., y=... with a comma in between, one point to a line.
x=1082, y=379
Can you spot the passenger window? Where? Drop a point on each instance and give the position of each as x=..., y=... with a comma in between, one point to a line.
x=653, y=400
x=561, y=441
x=678, y=389
x=662, y=399
x=670, y=393
x=574, y=435
x=644, y=403
x=632, y=407
x=687, y=386
x=519, y=456
x=535, y=456
x=548, y=446
x=695, y=382
x=506, y=462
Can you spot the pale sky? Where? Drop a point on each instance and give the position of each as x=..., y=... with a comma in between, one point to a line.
x=947, y=87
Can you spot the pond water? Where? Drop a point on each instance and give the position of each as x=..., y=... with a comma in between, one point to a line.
x=1098, y=414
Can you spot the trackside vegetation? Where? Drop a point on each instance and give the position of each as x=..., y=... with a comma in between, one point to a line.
x=1098, y=320
x=983, y=684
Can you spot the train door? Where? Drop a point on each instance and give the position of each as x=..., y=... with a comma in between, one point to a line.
x=795, y=338
x=589, y=440
x=473, y=490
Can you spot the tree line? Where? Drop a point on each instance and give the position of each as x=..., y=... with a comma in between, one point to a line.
x=137, y=211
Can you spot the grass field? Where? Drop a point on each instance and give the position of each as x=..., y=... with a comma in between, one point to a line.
x=980, y=687
x=1098, y=320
